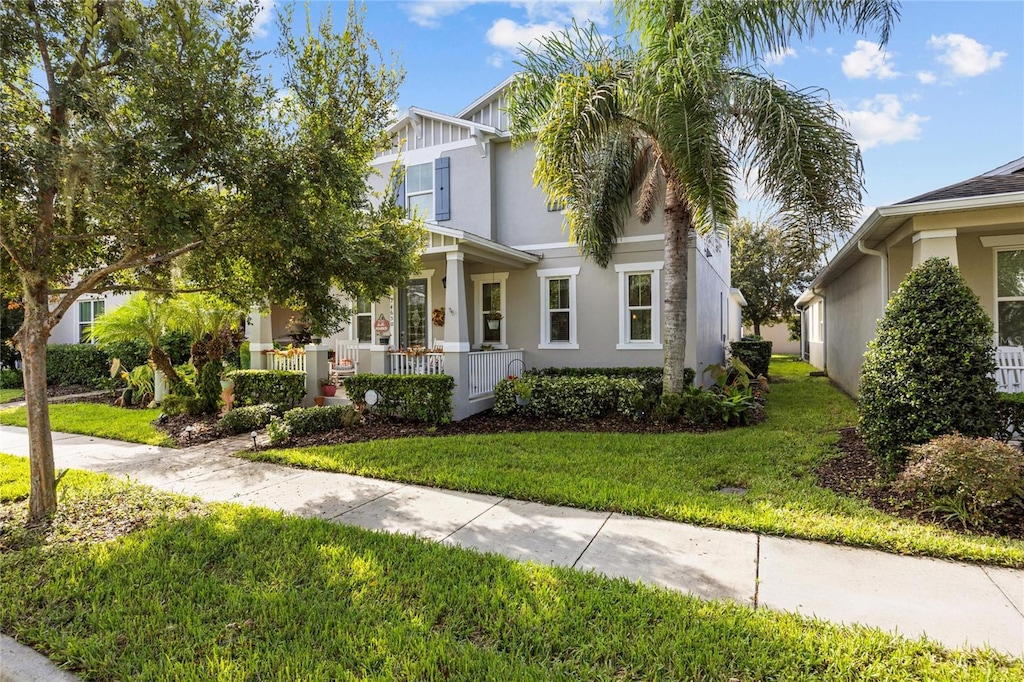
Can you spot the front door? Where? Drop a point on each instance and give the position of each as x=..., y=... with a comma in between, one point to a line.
x=413, y=317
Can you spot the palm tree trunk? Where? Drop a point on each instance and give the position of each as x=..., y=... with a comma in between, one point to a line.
x=162, y=361
x=31, y=341
x=678, y=224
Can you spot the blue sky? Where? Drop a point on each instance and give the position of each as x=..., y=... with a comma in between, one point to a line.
x=943, y=102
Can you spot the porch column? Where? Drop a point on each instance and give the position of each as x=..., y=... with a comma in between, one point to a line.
x=935, y=244
x=261, y=337
x=456, y=332
x=317, y=369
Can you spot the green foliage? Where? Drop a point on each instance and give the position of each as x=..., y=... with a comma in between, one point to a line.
x=650, y=377
x=278, y=431
x=755, y=354
x=11, y=378
x=770, y=270
x=12, y=314
x=577, y=398
x=140, y=382
x=1011, y=416
x=965, y=478
x=930, y=369
x=102, y=421
x=305, y=421
x=76, y=363
x=250, y=418
x=208, y=387
x=422, y=398
x=257, y=386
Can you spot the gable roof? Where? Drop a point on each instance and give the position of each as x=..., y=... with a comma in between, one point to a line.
x=1005, y=179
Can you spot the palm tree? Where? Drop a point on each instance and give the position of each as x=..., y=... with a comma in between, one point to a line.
x=673, y=121
x=209, y=322
x=140, y=318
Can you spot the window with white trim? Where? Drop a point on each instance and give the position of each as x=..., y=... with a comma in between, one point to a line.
x=816, y=322
x=639, y=305
x=87, y=312
x=489, y=296
x=558, y=308
x=364, y=321
x=1010, y=297
x=419, y=190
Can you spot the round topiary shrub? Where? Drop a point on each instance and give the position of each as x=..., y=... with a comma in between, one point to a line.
x=929, y=371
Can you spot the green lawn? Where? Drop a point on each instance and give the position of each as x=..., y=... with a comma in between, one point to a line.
x=224, y=592
x=102, y=421
x=9, y=394
x=673, y=476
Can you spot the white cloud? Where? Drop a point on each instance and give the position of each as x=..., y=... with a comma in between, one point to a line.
x=882, y=121
x=868, y=60
x=965, y=56
x=780, y=56
x=429, y=13
x=264, y=17
x=926, y=77
x=543, y=18
x=497, y=60
x=509, y=35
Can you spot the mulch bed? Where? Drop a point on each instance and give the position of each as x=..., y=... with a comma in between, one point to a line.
x=854, y=473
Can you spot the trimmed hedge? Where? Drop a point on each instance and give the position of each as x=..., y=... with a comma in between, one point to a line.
x=754, y=353
x=76, y=363
x=11, y=378
x=304, y=421
x=572, y=397
x=651, y=377
x=251, y=418
x=929, y=371
x=1011, y=416
x=258, y=386
x=423, y=398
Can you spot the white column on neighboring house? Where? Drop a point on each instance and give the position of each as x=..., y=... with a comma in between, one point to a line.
x=260, y=333
x=318, y=368
x=935, y=244
x=456, y=332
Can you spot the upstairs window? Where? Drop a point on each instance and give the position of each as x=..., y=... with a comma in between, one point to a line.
x=419, y=190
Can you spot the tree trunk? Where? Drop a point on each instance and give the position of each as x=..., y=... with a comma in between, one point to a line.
x=757, y=328
x=31, y=342
x=162, y=361
x=678, y=223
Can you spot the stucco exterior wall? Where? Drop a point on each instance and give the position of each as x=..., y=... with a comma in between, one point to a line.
x=471, y=190
x=853, y=306
x=520, y=209
x=66, y=331
x=778, y=334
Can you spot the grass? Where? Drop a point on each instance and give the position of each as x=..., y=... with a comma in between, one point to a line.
x=224, y=592
x=9, y=394
x=103, y=421
x=673, y=476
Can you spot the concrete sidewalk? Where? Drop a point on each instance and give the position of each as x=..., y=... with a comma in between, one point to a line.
x=960, y=605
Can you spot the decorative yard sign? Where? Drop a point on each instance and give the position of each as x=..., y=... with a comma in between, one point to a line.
x=381, y=326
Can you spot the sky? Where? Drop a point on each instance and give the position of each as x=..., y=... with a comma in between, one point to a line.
x=943, y=101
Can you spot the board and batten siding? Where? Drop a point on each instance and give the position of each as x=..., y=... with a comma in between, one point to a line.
x=431, y=133
x=492, y=114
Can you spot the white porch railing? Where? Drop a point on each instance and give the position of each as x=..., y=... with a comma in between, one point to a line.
x=1010, y=369
x=488, y=367
x=425, y=363
x=293, y=360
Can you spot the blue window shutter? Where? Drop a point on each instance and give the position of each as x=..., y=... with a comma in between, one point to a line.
x=442, y=191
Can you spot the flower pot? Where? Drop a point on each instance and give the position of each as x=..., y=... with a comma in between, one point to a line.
x=493, y=324
x=521, y=401
x=318, y=400
x=329, y=390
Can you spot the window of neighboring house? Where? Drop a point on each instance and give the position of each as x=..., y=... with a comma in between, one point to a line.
x=1010, y=297
x=87, y=312
x=816, y=322
x=419, y=190
x=364, y=321
x=558, y=308
x=489, y=296
x=639, y=305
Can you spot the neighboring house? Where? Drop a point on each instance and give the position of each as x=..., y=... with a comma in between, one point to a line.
x=494, y=244
x=74, y=326
x=978, y=224
x=778, y=334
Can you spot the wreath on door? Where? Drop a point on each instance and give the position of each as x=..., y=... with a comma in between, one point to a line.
x=438, y=317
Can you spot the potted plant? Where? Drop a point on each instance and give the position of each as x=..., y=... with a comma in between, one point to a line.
x=494, y=319
x=328, y=388
x=522, y=391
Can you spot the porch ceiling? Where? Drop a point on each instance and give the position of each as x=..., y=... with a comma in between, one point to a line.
x=477, y=249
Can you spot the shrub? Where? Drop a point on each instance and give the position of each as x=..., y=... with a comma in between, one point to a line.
x=309, y=420
x=755, y=354
x=1011, y=417
x=278, y=431
x=251, y=418
x=966, y=478
x=423, y=398
x=11, y=378
x=208, y=387
x=571, y=397
x=650, y=377
x=930, y=369
x=257, y=386
x=76, y=363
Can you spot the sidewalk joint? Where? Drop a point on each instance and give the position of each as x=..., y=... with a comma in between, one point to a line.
x=603, y=523
x=757, y=571
x=473, y=519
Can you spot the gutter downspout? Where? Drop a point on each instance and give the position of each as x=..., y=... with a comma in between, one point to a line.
x=885, y=269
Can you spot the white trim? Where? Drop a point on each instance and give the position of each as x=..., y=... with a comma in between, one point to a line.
x=478, y=307
x=934, y=234
x=486, y=97
x=1006, y=169
x=546, y=276
x=624, y=270
x=426, y=153
x=455, y=346
x=996, y=298
x=547, y=246
x=409, y=195
x=1003, y=240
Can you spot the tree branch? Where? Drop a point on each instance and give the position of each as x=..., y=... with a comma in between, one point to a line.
x=9, y=248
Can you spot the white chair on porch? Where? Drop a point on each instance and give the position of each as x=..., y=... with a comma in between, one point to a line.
x=346, y=360
x=1010, y=368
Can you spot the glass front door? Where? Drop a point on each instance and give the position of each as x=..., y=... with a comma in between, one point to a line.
x=413, y=316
